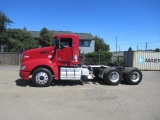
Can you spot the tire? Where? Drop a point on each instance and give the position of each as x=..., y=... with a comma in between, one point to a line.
x=112, y=76
x=133, y=76
x=123, y=75
x=42, y=77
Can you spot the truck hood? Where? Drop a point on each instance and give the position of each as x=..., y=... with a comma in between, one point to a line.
x=45, y=52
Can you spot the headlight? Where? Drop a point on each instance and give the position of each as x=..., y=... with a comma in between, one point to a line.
x=23, y=67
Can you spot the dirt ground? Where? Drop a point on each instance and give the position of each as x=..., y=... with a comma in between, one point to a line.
x=73, y=100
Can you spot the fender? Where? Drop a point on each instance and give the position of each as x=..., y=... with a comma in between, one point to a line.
x=33, y=63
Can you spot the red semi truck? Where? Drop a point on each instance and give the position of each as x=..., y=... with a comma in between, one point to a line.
x=61, y=62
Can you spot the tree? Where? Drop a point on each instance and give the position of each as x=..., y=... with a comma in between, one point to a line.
x=24, y=29
x=19, y=40
x=100, y=44
x=4, y=21
x=45, y=37
x=129, y=49
x=157, y=50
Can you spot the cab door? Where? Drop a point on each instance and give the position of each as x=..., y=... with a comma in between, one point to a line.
x=65, y=52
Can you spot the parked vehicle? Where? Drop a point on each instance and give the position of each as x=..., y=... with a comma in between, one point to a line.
x=61, y=62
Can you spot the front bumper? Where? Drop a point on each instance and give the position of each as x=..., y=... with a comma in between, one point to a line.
x=24, y=74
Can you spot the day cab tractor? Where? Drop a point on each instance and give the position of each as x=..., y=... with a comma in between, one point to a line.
x=61, y=62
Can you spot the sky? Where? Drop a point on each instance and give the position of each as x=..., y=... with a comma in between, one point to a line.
x=134, y=23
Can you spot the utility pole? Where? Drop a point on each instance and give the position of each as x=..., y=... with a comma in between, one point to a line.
x=137, y=47
x=116, y=43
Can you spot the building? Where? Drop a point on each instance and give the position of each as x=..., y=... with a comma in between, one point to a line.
x=86, y=43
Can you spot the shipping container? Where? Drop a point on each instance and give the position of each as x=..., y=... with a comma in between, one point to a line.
x=143, y=60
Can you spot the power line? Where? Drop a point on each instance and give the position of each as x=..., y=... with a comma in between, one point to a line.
x=155, y=32
x=140, y=43
x=141, y=31
x=148, y=45
x=153, y=41
x=132, y=37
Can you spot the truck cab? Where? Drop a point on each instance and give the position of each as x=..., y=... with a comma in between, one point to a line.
x=58, y=62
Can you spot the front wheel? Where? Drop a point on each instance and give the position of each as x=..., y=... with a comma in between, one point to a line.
x=112, y=76
x=42, y=77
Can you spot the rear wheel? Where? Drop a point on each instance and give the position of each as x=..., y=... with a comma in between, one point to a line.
x=112, y=76
x=42, y=77
x=133, y=76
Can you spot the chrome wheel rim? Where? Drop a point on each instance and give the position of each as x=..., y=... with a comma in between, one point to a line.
x=114, y=76
x=42, y=78
x=135, y=76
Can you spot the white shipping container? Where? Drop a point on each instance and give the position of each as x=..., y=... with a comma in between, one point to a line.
x=144, y=60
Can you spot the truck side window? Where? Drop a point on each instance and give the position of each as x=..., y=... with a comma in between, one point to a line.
x=66, y=42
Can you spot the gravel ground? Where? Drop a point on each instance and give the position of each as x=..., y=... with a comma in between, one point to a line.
x=73, y=100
